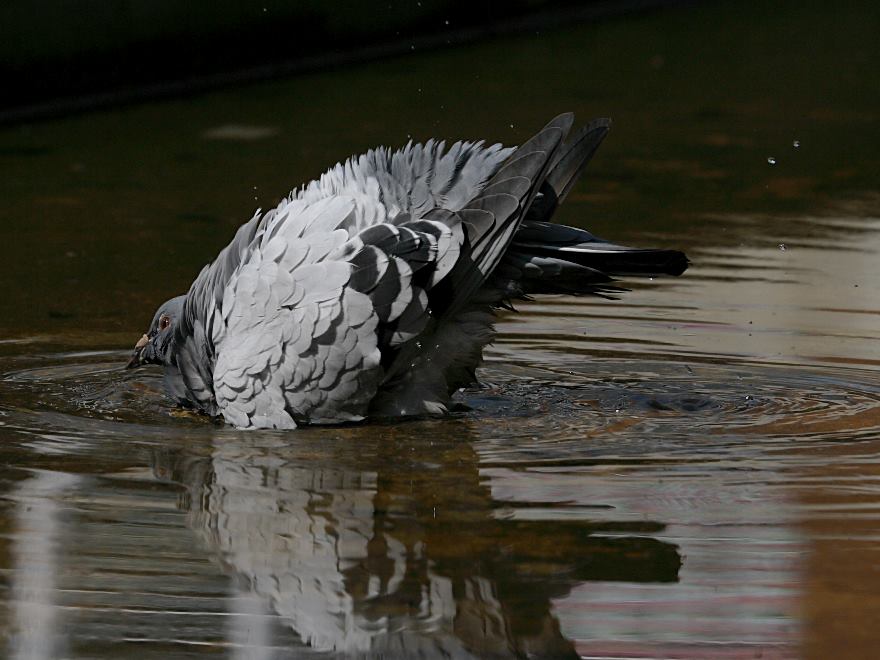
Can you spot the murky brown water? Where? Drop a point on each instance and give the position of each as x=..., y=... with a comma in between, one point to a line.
x=692, y=471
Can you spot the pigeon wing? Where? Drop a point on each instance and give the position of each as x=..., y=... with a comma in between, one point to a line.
x=421, y=377
x=292, y=341
x=492, y=217
x=306, y=318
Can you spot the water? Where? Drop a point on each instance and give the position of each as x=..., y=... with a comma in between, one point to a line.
x=690, y=471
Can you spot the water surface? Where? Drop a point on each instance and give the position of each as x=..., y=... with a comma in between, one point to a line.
x=689, y=471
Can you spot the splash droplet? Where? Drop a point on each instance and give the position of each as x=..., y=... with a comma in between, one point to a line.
x=796, y=144
x=782, y=247
x=771, y=160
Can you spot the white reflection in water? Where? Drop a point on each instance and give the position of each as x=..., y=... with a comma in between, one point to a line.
x=299, y=534
x=35, y=558
x=365, y=555
x=248, y=633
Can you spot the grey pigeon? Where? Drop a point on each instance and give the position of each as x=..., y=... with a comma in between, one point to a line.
x=372, y=291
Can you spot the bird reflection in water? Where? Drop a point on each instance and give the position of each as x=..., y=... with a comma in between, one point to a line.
x=394, y=546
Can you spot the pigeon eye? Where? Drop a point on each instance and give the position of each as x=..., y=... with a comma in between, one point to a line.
x=164, y=322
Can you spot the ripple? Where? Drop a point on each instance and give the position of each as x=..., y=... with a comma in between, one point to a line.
x=618, y=399
x=662, y=411
x=58, y=401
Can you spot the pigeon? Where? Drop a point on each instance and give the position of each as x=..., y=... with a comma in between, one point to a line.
x=372, y=291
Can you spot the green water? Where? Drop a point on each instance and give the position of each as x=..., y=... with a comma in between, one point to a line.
x=691, y=471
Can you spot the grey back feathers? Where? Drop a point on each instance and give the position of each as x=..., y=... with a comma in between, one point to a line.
x=370, y=292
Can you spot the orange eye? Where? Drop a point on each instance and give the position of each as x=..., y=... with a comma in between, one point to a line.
x=164, y=322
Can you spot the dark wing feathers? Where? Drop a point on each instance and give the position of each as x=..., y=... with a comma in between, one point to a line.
x=545, y=257
x=493, y=211
x=397, y=264
x=566, y=168
x=492, y=217
x=546, y=248
x=370, y=264
x=515, y=185
x=574, y=156
x=392, y=292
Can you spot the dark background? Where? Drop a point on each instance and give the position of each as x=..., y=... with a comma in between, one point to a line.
x=57, y=57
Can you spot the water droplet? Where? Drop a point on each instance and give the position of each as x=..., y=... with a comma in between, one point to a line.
x=796, y=144
x=782, y=247
x=511, y=125
x=446, y=22
x=771, y=160
x=748, y=397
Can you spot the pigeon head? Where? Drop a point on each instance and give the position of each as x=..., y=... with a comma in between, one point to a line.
x=156, y=347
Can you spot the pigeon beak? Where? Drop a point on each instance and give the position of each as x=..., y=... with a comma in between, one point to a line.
x=137, y=358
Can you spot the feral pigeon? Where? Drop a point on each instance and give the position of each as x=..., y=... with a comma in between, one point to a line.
x=372, y=291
